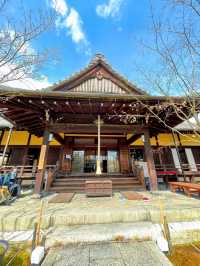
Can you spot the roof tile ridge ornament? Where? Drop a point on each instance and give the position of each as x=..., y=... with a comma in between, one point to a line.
x=100, y=57
x=97, y=58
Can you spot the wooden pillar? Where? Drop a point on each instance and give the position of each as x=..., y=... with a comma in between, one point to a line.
x=176, y=156
x=6, y=146
x=150, y=161
x=98, y=162
x=2, y=134
x=42, y=162
x=191, y=160
x=124, y=156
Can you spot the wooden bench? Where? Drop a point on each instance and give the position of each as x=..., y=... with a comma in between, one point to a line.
x=98, y=188
x=188, y=188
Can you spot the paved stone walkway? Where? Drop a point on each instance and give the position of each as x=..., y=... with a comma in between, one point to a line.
x=108, y=254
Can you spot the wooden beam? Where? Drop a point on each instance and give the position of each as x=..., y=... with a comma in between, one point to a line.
x=28, y=118
x=133, y=138
x=59, y=138
x=106, y=128
x=108, y=135
x=21, y=114
x=137, y=134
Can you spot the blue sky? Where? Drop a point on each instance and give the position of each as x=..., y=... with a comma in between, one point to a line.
x=85, y=27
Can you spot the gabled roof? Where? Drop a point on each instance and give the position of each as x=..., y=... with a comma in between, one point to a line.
x=189, y=125
x=97, y=72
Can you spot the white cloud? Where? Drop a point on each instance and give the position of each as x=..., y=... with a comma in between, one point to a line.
x=14, y=73
x=111, y=9
x=74, y=24
x=29, y=83
x=13, y=77
x=69, y=19
x=60, y=6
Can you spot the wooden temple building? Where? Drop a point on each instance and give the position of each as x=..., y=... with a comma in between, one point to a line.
x=95, y=124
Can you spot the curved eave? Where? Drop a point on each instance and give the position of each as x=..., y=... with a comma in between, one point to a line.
x=75, y=95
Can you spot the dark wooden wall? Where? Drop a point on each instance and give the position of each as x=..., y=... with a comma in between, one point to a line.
x=53, y=155
x=124, y=156
x=17, y=154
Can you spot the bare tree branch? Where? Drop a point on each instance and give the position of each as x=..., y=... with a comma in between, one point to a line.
x=17, y=57
x=176, y=47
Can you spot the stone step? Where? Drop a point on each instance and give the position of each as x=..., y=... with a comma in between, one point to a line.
x=78, y=185
x=128, y=253
x=88, y=175
x=180, y=232
x=94, y=233
x=62, y=179
x=77, y=182
x=60, y=189
x=23, y=213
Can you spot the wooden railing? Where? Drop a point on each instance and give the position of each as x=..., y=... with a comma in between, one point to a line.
x=140, y=174
x=186, y=173
x=171, y=167
x=26, y=174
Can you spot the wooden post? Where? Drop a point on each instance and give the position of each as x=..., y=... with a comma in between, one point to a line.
x=98, y=169
x=150, y=161
x=42, y=162
x=2, y=134
x=178, y=154
x=7, y=143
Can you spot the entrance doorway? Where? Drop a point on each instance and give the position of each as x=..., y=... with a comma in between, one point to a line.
x=78, y=162
x=113, y=161
x=84, y=161
x=90, y=161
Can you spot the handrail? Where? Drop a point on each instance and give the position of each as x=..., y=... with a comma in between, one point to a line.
x=140, y=175
x=24, y=170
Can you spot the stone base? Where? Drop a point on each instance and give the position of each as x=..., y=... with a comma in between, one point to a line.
x=180, y=233
x=24, y=212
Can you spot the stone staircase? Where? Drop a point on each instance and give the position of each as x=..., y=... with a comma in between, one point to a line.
x=76, y=183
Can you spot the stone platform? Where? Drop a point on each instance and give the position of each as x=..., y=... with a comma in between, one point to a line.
x=24, y=212
x=180, y=233
x=108, y=254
